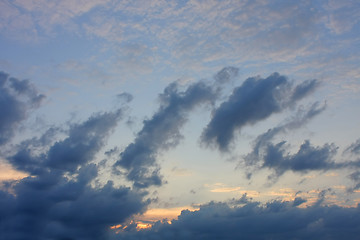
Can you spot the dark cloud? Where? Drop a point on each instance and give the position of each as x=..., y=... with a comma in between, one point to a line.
x=301, y=117
x=53, y=207
x=303, y=89
x=17, y=98
x=353, y=151
x=306, y=159
x=277, y=157
x=355, y=176
x=83, y=142
x=58, y=200
x=255, y=100
x=354, y=148
x=251, y=220
x=226, y=74
x=266, y=154
x=161, y=132
x=125, y=97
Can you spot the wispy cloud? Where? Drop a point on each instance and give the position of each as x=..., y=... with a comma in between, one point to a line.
x=18, y=98
x=161, y=132
x=255, y=100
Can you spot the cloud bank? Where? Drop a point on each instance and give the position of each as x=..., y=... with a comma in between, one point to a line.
x=251, y=220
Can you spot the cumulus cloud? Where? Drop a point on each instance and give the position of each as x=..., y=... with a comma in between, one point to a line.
x=307, y=158
x=161, y=132
x=301, y=117
x=50, y=206
x=84, y=140
x=252, y=220
x=58, y=200
x=277, y=156
x=255, y=100
x=18, y=97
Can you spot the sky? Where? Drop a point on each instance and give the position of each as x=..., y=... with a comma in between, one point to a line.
x=185, y=119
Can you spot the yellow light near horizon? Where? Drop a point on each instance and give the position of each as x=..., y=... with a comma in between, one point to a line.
x=8, y=173
x=226, y=189
x=158, y=214
x=141, y=226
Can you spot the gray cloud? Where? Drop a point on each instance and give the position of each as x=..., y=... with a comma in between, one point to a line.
x=18, y=97
x=83, y=142
x=303, y=89
x=251, y=220
x=355, y=176
x=301, y=117
x=354, y=148
x=266, y=154
x=306, y=159
x=57, y=200
x=226, y=74
x=161, y=132
x=255, y=100
x=125, y=97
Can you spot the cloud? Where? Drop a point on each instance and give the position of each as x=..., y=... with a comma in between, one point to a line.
x=161, y=132
x=18, y=98
x=354, y=148
x=58, y=199
x=301, y=117
x=251, y=220
x=83, y=142
x=276, y=156
x=306, y=159
x=226, y=74
x=53, y=207
x=255, y=100
x=355, y=176
x=303, y=89
x=31, y=20
x=124, y=97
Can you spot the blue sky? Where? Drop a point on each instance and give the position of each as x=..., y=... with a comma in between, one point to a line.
x=142, y=109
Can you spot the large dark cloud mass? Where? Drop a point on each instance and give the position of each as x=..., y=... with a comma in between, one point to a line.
x=255, y=100
x=251, y=220
x=58, y=200
x=161, y=132
x=17, y=98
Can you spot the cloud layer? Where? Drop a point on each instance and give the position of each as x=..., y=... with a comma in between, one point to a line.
x=251, y=220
